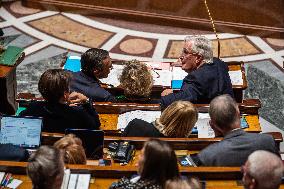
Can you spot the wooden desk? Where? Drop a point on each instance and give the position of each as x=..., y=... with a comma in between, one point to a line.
x=8, y=87
x=102, y=177
x=157, y=90
x=192, y=144
x=109, y=113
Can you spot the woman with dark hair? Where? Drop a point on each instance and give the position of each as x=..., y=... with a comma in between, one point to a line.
x=157, y=164
x=57, y=114
x=46, y=168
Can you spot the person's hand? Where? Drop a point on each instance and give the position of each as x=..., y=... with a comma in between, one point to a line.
x=77, y=98
x=167, y=92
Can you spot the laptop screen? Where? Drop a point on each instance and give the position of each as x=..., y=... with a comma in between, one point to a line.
x=21, y=131
x=92, y=140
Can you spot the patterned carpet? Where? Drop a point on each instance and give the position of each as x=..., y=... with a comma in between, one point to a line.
x=46, y=35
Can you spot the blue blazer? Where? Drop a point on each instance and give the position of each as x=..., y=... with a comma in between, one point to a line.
x=202, y=85
x=90, y=87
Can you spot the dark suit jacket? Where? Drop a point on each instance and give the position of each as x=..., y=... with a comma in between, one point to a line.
x=10, y=152
x=58, y=117
x=141, y=128
x=90, y=87
x=202, y=85
x=235, y=148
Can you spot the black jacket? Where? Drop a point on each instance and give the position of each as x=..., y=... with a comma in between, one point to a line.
x=58, y=117
x=235, y=148
x=141, y=128
x=11, y=152
x=90, y=87
x=202, y=85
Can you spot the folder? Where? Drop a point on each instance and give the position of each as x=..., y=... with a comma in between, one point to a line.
x=10, y=56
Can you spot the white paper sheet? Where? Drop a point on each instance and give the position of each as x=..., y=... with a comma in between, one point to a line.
x=113, y=76
x=236, y=77
x=15, y=183
x=162, y=77
x=83, y=181
x=178, y=73
x=148, y=116
x=203, y=127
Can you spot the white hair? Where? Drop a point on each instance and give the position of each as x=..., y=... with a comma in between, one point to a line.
x=202, y=46
x=266, y=168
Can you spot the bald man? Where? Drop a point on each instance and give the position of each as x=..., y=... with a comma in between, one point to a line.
x=262, y=170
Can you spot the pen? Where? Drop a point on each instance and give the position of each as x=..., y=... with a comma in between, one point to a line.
x=7, y=180
x=4, y=179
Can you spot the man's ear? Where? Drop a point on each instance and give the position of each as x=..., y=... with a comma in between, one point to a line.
x=96, y=72
x=199, y=60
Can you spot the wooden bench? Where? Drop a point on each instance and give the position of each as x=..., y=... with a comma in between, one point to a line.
x=191, y=144
x=109, y=112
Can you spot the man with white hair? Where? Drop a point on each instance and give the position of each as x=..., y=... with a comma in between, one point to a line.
x=263, y=170
x=207, y=77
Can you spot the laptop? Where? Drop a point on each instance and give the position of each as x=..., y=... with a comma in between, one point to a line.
x=21, y=131
x=93, y=141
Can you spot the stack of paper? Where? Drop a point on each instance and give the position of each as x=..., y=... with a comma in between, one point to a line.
x=125, y=118
x=75, y=181
x=113, y=76
x=236, y=77
x=203, y=127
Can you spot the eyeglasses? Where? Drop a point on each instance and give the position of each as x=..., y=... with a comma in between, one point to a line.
x=186, y=52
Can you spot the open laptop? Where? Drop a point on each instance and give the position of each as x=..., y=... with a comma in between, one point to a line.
x=93, y=141
x=21, y=131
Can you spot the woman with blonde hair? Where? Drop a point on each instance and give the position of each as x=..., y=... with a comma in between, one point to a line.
x=177, y=120
x=137, y=81
x=72, y=148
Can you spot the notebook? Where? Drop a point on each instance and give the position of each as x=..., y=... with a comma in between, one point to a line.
x=93, y=141
x=21, y=131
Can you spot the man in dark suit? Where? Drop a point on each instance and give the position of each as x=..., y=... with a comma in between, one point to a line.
x=237, y=144
x=95, y=64
x=207, y=77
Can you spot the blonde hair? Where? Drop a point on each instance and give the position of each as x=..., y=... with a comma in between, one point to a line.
x=182, y=184
x=136, y=79
x=74, y=152
x=178, y=119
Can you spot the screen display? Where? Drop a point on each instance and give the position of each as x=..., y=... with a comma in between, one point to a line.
x=20, y=131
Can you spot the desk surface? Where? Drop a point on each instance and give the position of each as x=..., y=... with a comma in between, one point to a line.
x=109, y=122
x=104, y=183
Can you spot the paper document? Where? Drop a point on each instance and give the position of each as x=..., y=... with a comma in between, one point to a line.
x=159, y=65
x=148, y=116
x=178, y=73
x=15, y=183
x=83, y=181
x=65, y=179
x=113, y=76
x=162, y=77
x=236, y=77
x=203, y=127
